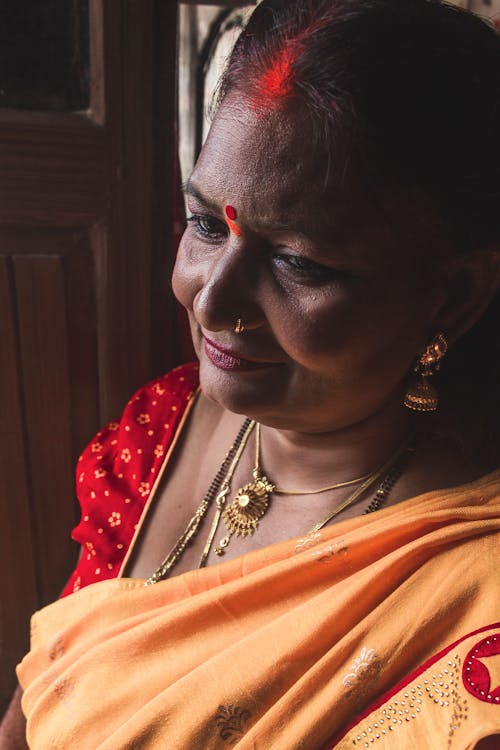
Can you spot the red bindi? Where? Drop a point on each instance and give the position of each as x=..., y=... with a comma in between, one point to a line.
x=231, y=215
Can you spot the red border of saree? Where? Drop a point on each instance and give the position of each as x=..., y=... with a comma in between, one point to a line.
x=331, y=744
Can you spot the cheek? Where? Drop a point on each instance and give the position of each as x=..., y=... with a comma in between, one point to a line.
x=354, y=333
x=311, y=327
x=185, y=282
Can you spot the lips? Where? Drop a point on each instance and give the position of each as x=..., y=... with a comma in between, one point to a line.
x=226, y=359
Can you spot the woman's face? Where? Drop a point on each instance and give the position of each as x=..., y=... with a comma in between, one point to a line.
x=334, y=306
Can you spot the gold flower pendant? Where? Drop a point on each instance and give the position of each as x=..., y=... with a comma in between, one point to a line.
x=249, y=505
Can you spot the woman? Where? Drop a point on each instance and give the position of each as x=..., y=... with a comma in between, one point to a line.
x=342, y=247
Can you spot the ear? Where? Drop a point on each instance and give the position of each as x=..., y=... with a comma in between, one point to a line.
x=471, y=282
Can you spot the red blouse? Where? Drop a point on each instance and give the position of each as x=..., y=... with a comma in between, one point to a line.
x=118, y=470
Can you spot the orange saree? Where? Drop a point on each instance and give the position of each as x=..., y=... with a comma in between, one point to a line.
x=376, y=631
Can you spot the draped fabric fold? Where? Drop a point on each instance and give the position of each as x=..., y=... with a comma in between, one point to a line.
x=282, y=648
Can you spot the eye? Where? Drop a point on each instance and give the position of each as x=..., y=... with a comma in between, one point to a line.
x=304, y=268
x=207, y=227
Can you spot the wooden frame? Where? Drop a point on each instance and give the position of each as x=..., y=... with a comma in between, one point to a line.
x=86, y=249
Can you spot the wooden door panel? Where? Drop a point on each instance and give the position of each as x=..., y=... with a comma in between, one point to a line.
x=43, y=344
x=52, y=169
x=73, y=250
x=18, y=585
x=49, y=399
x=86, y=246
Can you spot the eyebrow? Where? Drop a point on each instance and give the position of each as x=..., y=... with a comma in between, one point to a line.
x=303, y=228
x=188, y=188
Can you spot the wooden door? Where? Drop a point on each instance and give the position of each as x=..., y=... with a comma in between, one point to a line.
x=86, y=316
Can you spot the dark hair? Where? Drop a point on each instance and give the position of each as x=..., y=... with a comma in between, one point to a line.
x=413, y=84
x=404, y=94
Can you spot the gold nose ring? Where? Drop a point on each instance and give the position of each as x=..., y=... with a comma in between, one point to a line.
x=239, y=327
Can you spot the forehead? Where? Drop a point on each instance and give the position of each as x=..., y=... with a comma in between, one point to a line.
x=266, y=164
x=261, y=160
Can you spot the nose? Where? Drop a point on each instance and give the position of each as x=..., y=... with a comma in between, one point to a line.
x=230, y=288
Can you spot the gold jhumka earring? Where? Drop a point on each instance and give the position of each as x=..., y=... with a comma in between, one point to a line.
x=422, y=395
x=239, y=327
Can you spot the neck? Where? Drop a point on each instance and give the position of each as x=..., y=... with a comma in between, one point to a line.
x=301, y=460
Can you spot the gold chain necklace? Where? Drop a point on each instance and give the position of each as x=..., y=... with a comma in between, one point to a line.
x=392, y=467
x=251, y=501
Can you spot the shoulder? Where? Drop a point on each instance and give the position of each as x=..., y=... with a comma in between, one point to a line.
x=167, y=393
x=153, y=412
x=118, y=470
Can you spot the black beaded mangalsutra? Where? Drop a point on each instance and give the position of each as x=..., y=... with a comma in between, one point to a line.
x=191, y=529
x=389, y=481
x=219, y=488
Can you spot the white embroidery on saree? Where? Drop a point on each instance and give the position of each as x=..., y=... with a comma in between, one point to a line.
x=310, y=540
x=359, y=666
x=333, y=550
x=360, y=683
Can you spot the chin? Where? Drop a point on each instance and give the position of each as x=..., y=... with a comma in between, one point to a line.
x=254, y=394
x=258, y=395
